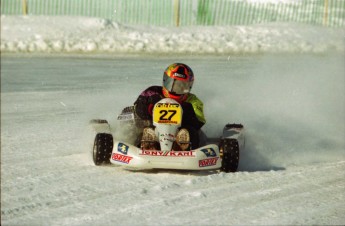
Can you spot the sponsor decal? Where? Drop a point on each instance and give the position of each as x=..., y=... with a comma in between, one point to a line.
x=167, y=105
x=209, y=152
x=121, y=158
x=178, y=75
x=167, y=121
x=166, y=136
x=208, y=162
x=125, y=117
x=168, y=153
x=122, y=148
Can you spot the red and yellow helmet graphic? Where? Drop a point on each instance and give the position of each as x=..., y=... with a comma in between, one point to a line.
x=178, y=80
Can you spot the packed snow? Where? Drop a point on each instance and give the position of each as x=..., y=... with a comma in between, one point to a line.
x=289, y=95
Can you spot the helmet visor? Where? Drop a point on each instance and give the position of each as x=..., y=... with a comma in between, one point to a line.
x=178, y=87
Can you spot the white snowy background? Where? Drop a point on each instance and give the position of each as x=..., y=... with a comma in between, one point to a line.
x=284, y=82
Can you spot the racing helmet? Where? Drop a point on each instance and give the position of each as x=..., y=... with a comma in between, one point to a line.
x=178, y=80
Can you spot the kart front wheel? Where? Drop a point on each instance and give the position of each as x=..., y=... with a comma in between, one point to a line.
x=102, y=148
x=230, y=153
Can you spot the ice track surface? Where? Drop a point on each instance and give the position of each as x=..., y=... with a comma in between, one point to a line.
x=291, y=172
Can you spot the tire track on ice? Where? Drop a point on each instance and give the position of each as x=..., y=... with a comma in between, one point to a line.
x=271, y=191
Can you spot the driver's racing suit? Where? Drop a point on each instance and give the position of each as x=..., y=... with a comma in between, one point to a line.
x=193, y=115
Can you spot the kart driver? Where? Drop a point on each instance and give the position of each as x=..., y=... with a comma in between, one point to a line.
x=178, y=80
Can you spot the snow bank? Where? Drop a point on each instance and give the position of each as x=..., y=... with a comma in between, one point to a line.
x=64, y=34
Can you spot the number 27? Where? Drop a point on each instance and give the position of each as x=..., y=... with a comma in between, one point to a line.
x=167, y=115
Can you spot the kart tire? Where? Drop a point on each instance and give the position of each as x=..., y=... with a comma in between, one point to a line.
x=102, y=148
x=231, y=155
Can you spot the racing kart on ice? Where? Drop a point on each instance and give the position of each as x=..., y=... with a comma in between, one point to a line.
x=215, y=153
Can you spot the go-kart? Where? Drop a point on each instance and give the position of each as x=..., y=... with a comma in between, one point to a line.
x=215, y=153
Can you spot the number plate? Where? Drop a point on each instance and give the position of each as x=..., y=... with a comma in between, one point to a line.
x=167, y=113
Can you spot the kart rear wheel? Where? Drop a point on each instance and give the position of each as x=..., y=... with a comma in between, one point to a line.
x=102, y=148
x=230, y=153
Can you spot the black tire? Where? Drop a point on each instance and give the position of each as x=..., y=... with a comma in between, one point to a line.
x=230, y=155
x=102, y=148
